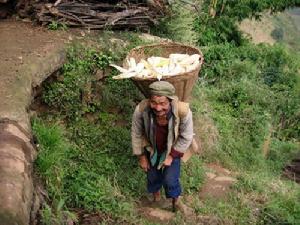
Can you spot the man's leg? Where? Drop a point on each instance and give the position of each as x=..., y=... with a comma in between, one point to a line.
x=171, y=181
x=154, y=182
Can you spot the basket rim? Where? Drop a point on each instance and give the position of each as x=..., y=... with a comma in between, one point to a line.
x=197, y=69
x=168, y=77
x=165, y=44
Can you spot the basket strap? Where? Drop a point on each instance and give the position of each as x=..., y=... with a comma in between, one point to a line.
x=143, y=104
x=183, y=109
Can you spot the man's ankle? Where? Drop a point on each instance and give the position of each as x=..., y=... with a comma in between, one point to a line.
x=174, y=204
x=156, y=196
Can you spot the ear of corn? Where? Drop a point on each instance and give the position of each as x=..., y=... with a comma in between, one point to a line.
x=158, y=67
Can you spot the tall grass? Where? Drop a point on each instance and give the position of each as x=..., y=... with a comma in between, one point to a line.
x=85, y=156
x=246, y=111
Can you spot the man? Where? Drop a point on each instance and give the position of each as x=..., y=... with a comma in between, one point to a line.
x=162, y=131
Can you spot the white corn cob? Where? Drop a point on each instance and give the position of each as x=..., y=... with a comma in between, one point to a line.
x=121, y=69
x=124, y=75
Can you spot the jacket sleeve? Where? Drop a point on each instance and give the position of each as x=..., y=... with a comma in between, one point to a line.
x=137, y=132
x=185, y=134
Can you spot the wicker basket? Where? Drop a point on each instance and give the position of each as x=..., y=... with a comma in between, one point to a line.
x=183, y=83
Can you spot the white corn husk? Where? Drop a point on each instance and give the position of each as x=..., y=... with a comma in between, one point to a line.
x=121, y=69
x=144, y=74
x=158, y=67
x=124, y=75
x=186, y=61
x=132, y=63
x=178, y=57
x=139, y=67
x=192, y=66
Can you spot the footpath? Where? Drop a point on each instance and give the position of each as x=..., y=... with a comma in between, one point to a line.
x=28, y=56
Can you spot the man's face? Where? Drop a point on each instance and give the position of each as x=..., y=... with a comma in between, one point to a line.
x=160, y=105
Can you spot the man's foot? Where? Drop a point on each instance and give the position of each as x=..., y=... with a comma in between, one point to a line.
x=178, y=205
x=174, y=204
x=156, y=196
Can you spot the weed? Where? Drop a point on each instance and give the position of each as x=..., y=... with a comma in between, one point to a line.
x=57, y=26
x=231, y=211
x=58, y=216
x=67, y=95
x=192, y=175
x=247, y=89
x=91, y=174
x=178, y=25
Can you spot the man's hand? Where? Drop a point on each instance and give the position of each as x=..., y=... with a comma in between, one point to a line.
x=144, y=163
x=168, y=161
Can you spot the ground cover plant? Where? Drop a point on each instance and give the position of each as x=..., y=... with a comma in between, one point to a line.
x=253, y=91
x=85, y=148
x=253, y=97
x=250, y=92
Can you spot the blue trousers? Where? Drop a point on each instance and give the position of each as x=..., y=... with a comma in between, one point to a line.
x=168, y=177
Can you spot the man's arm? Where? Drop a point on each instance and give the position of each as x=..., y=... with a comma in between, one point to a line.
x=184, y=139
x=185, y=134
x=137, y=138
x=137, y=132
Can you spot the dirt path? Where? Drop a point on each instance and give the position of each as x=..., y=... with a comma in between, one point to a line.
x=217, y=186
x=28, y=54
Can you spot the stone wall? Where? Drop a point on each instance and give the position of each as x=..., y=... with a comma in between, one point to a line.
x=16, y=159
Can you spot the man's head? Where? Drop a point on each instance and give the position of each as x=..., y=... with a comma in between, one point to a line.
x=162, y=92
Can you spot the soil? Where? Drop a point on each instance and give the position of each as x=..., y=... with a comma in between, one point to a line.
x=28, y=55
x=217, y=183
x=292, y=170
x=259, y=31
x=21, y=44
x=21, y=41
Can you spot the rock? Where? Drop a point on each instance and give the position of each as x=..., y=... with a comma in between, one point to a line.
x=219, y=170
x=210, y=175
x=185, y=210
x=157, y=214
x=216, y=188
x=40, y=57
x=208, y=220
x=16, y=157
x=226, y=179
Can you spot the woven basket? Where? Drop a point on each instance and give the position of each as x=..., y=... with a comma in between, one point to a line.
x=183, y=82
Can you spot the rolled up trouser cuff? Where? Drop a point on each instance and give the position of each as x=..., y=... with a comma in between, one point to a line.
x=167, y=177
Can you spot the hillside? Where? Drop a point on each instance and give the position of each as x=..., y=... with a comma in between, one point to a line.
x=246, y=113
x=282, y=27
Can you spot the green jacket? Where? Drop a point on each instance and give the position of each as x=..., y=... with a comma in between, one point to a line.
x=180, y=128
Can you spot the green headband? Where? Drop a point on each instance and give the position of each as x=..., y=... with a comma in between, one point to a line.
x=162, y=88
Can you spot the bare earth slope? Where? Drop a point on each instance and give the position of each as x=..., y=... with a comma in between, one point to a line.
x=27, y=56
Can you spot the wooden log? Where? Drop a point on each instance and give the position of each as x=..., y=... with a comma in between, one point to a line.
x=87, y=13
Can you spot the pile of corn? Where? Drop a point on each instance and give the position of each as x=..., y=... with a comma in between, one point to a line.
x=158, y=67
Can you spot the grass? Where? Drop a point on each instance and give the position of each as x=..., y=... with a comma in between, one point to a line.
x=85, y=155
x=178, y=26
x=244, y=102
x=243, y=92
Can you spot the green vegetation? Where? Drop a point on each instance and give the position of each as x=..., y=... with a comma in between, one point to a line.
x=57, y=26
x=253, y=93
x=250, y=92
x=85, y=148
